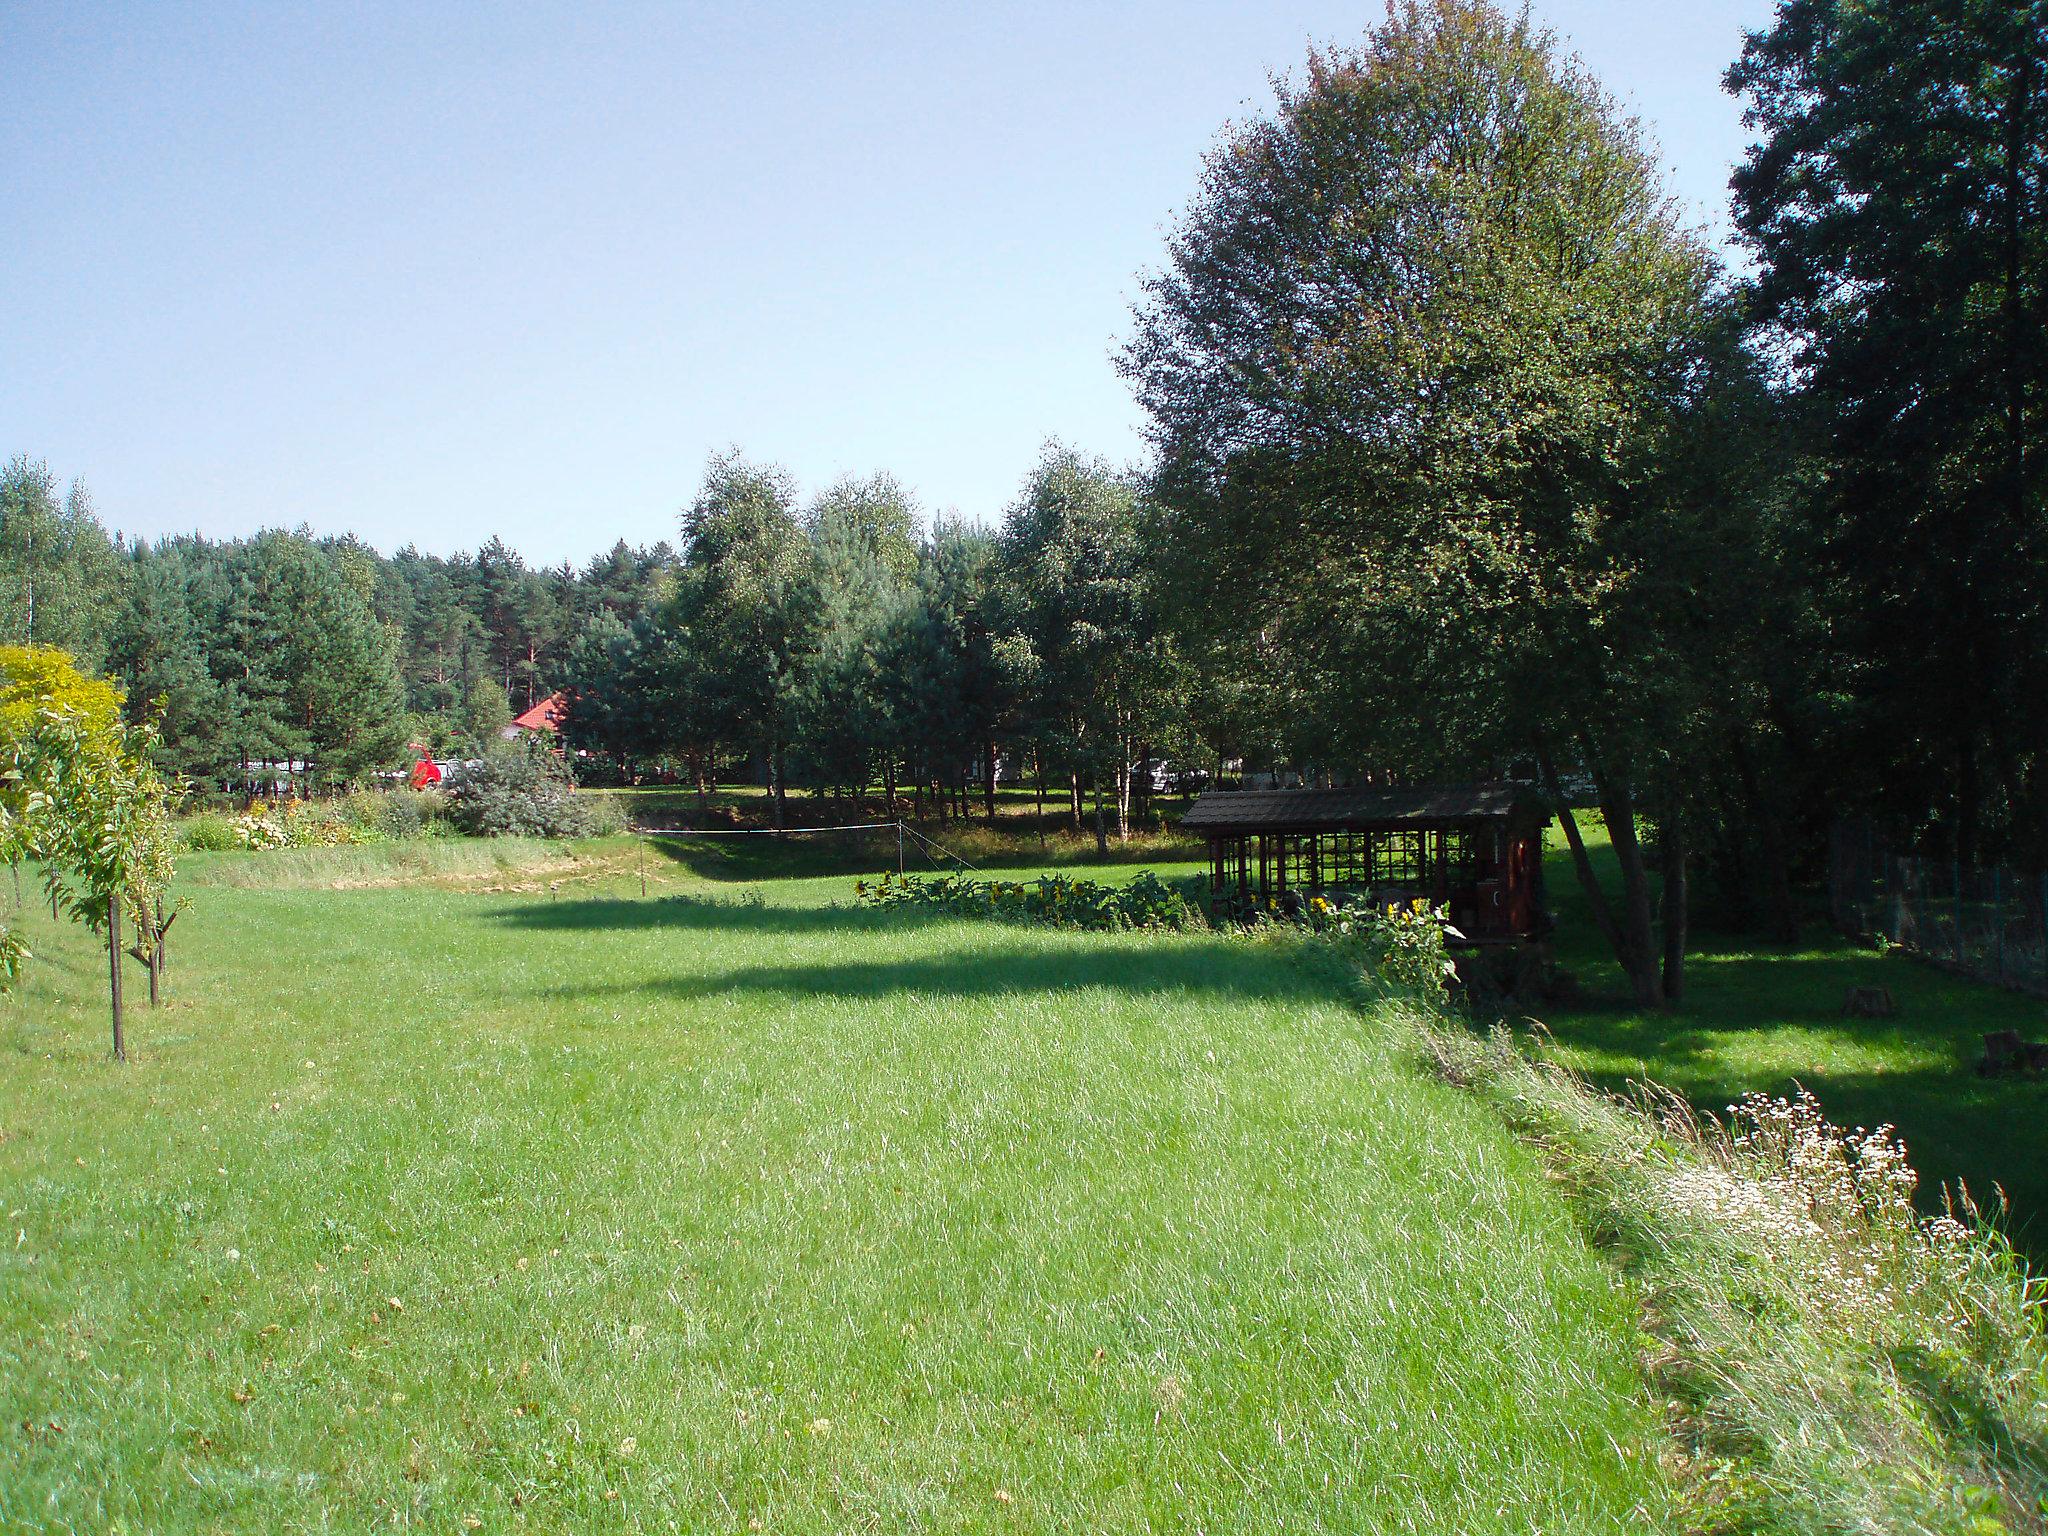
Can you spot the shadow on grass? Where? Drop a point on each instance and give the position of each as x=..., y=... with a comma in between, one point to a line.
x=1136, y=972
x=1757, y=1019
x=731, y=914
x=1957, y=1401
x=1147, y=966
x=755, y=856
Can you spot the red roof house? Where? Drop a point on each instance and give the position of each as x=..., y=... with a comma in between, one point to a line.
x=547, y=715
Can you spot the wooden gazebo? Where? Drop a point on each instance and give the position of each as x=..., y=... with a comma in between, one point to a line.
x=1476, y=849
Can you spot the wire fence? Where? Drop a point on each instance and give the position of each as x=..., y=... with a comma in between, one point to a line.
x=1987, y=923
x=907, y=836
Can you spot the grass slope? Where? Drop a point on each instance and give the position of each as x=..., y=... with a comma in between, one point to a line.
x=427, y=1206
x=1763, y=1019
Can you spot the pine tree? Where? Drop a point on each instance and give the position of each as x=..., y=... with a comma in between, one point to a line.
x=154, y=648
x=1897, y=203
x=750, y=609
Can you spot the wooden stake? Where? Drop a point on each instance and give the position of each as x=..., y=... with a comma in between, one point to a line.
x=114, y=972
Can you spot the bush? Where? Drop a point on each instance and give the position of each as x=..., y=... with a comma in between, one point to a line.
x=209, y=832
x=604, y=814
x=395, y=815
x=1399, y=948
x=520, y=790
x=1147, y=902
x=367, y=816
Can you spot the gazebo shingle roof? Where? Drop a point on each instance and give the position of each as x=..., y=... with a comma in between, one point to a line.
x=1337, y=810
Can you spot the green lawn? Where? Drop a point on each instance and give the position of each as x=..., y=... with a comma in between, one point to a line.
x=497, y=1194
x=1760, y=1018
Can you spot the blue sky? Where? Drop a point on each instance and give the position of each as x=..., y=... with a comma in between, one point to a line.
x=428, y=273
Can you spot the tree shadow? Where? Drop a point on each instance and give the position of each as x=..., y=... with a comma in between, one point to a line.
x=735, y=914
x=759, y=856
x=1913, y=1070
x=1153, y=965
x=986, y=974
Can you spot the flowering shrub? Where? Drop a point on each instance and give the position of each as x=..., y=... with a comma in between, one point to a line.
x=260, y=827
x=369, y=816
x=295, y=824
x=1398, y=948
x=1146, y=902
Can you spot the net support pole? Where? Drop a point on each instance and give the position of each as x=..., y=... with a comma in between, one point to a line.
x=899, y=850
x=114, y=972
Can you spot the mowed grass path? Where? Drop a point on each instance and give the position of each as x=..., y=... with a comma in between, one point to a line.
x=441, y=1209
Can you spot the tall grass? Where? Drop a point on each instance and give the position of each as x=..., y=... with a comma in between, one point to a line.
x=463, y=860
x=1835, y=1361
x=559, y=1210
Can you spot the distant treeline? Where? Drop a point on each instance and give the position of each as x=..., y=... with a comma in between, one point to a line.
x=845, y=644
x=286, y=648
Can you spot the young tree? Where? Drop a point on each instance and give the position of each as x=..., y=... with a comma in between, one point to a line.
x=79, y=796
x=1413, y=370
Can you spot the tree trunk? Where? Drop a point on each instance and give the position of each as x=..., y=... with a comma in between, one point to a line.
x=1038, y=762
x=703, y=792
x=1582, y=862
x=988, y=781
x=776, y=769
x=1074, y=787
x=114, y=973
x=1631, y=944
x=1638, y=926
x=1101, y=824
x=1672, y=837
